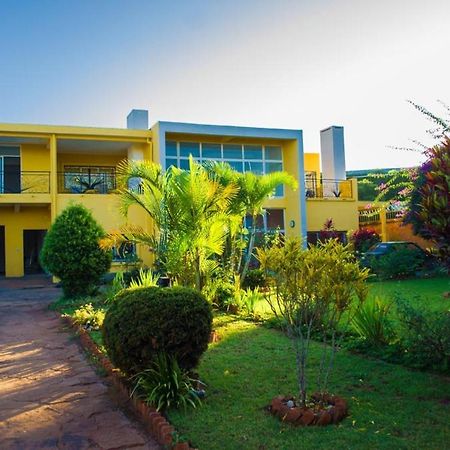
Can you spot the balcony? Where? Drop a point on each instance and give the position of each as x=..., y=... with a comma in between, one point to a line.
x=329, y=189
x=27, y=182
x=89, y=182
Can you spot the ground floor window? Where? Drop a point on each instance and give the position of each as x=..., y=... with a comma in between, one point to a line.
x=125, y=252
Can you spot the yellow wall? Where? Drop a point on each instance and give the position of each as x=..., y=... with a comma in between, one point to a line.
x=312, y=163
x=16, y=220
x=34, y=158
x=343, y=212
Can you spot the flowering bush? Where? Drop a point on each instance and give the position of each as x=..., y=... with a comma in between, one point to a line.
x=363, y=239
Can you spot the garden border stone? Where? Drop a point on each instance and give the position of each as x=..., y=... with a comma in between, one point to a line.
x=155, y=423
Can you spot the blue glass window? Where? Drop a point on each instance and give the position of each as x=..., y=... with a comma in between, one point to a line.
x=252, y=152
x=211, y=151
x=273, y=167
x=190, y=148
x=232, y=151
x=236, y=165
x=254, y=166
x=171, y=162
x=184, y=164
x=171, y=148
x=273, y=152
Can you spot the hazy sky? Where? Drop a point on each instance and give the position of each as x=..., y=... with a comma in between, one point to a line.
x=286, y=64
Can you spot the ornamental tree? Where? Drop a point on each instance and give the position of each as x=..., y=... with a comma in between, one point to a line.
x=429, y=204
x=72, y=253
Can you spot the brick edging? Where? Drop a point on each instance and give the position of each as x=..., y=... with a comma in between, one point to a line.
x=155, y=423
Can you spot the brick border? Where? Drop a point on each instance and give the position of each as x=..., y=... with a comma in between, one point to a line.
x=155, y=423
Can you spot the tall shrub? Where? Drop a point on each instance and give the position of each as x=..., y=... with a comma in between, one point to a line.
x=312, y=291
x=72, y=253
x=429, y=205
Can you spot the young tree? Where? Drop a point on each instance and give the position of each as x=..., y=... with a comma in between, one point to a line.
x=312, y=291
x=72, y=253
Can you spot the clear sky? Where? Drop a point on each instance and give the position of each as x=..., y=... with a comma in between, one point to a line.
x=281, y=63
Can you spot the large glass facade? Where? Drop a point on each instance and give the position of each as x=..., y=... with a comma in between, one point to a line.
x=259, y=159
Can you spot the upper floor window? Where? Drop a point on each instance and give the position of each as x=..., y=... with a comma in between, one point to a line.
x=80, y=179
x=256, y=158
x=10, y=170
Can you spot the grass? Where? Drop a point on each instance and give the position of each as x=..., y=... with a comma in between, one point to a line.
x=390, y=406
x=421, y=293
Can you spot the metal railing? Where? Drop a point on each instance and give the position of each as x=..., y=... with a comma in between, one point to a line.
x=328, y=188
x=86, y=183
x=25, y=182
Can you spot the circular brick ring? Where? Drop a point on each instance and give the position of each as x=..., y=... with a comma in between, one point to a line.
x=332, y=410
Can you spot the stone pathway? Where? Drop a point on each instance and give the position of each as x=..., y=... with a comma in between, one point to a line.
x=50, y=396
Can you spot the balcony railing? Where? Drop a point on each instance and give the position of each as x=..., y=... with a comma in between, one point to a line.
x=86, y=183
x=342, y=189
x=26, y=182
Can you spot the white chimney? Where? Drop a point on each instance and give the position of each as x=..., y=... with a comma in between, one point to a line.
x=332, y=153
x=137, y=119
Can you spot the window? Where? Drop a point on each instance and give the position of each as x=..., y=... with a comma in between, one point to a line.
x=79, y=179
x=271, y=221
x=126, y=252
x=10, y=170
x=259, y=159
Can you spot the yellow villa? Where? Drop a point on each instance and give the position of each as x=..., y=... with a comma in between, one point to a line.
x=44, y=167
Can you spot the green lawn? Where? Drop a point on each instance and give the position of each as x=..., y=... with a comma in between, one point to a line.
x=425, y=293
x=391, y=407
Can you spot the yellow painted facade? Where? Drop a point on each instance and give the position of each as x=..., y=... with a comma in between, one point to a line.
x=48, y=154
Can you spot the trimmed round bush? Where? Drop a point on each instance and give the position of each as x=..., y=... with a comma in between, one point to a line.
x=141, y=323
x=71, y=251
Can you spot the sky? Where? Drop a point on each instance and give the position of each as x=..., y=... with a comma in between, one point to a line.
x=279, y=64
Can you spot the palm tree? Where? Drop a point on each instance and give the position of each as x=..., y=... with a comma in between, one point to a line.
x=254, y=191
x=190, y=212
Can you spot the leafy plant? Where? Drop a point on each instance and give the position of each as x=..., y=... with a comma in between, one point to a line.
x=429, y=203
x=425, y=336
x=328, y=231
x=146, y=278
x=72, y=253
x=402, y=263
x=118, y=283
x=255, y=279
x=363, y=239
x=313, y=289
x=371, y=322
x=248, y=299
x=166, y=385
x=89, y=317
x=141, y=323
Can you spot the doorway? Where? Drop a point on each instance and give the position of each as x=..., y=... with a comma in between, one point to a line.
x=2, y=250
x=32, y=244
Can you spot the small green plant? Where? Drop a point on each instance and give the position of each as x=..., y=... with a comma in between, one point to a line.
x=145, y=279
x=116, y=286
x=89, y=317
x=255, y=278
x=247, y=301
x=425, y=336
x=166, y=385
x=371, y=322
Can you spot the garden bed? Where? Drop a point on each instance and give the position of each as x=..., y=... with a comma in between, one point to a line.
x=155, y=423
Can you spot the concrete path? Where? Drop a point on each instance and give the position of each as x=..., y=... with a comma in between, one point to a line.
x=50, y=396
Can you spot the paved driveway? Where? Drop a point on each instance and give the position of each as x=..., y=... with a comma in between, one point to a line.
x=50, y=396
